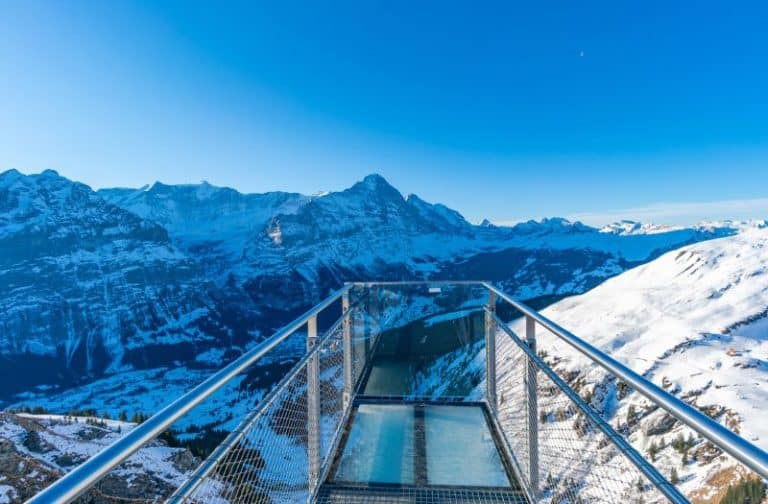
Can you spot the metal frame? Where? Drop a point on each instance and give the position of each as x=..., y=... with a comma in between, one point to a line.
x=91, y=471
x=86, y=475
x=313, y=404
x=648, y=470
x=347, y=346
x=490, y=353
x=531, y=403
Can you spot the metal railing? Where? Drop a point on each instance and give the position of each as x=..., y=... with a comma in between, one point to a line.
x=558, y=445
x=738, y=447
x=87, y=474
x=570, y=452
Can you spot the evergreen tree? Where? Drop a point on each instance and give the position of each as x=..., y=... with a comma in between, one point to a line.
x=750, y=491
x=673, y=477
x=653, y=450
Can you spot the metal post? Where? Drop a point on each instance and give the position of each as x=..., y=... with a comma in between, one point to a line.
x=347, y=342
x=367, y=322
x=490, y=352
x=313, y=406
x=532, y=406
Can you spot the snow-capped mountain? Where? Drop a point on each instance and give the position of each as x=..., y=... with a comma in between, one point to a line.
x=198, y=214
x=630, y=227
x=694, y=321
x=89, y=288
x=127, y=282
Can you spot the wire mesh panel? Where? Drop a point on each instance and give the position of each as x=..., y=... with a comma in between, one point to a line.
x=700, y=469
x=562, y=454
x=280, y=452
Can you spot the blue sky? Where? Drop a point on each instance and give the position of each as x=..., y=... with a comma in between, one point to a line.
x=505, y=110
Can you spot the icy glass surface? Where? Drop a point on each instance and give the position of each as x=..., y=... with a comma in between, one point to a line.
x=460, y=448
x=379, y=448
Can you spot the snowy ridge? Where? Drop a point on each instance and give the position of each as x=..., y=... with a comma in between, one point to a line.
x=694, y=321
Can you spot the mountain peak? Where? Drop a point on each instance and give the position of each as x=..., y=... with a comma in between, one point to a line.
x=50, y=173
x=9, y=176
x=46, y=178
x=375, y=183
x=552, y=225
x=13, y=172
x=374, y=180
x=158, y=186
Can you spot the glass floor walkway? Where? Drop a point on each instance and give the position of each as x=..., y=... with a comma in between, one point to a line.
x=398, y=449
x=401, y=451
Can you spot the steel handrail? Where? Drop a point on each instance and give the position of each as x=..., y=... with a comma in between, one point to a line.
x=205, y=469
x=645, y=467
x=738, y=447
x=90, y=472
x=395, y=283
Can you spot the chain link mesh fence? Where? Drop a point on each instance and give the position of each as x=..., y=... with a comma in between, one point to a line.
x=279, y=453
x=560, y=451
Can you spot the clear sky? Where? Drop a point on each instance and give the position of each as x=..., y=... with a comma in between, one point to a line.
x=508, y=110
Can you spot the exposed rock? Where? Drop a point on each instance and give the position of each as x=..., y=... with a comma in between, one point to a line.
x=117, y=489
x=706, y=453
x=660, y=425
x=184, y=461
x=89, y=433
x=24, y=474
x=34, y=443
x=39, y=448
x=68, y=460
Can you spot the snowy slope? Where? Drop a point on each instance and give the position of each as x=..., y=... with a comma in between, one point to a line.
x=36, y=450
x=694, y=321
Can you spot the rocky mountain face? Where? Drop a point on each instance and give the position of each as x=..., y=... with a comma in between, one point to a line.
x=127, y=282
x=89, y=288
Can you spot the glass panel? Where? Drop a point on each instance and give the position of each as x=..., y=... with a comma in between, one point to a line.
x=379, y=448
x=425, y=341
x=390, y=376
x=461, y=449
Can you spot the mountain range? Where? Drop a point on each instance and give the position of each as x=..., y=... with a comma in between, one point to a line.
x=106, y=284
x=116, y=300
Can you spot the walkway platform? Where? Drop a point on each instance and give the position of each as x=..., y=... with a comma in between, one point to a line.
x=401, y=448
x=338, y=494
x=418, y=393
